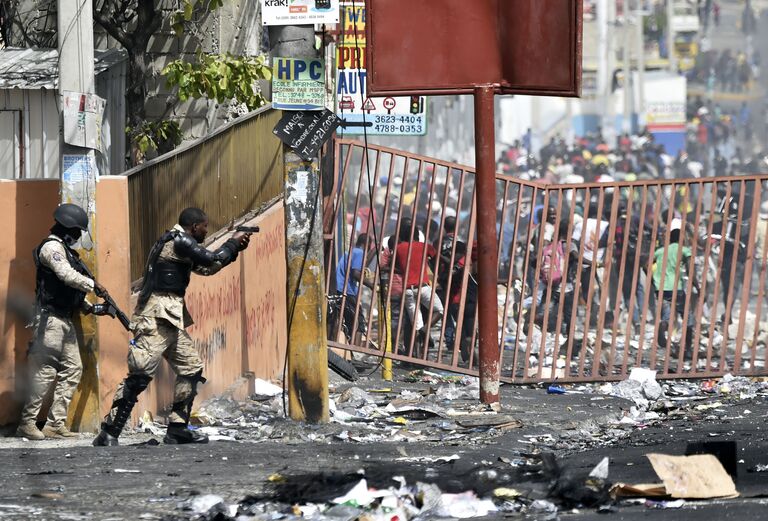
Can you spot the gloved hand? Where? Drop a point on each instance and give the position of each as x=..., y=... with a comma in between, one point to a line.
x=99, y=289
x=100, y=310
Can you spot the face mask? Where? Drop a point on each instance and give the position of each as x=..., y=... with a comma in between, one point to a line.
x=71, y=240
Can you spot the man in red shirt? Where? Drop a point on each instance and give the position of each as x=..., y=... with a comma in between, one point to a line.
x=411, y=258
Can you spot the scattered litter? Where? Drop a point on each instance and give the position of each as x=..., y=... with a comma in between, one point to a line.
x=699, y=476
x=201, y=504
x=542, y=505
x=555, y=389
x=464, y=505
x=429, y=459
x=265, y=388
x=414, y=408
x=47, y=495
x=601, y=469
x=708, y=406
x=641, y=387
x=359, y=496
x=355, y=397
x=148, y=424
x=678, y=503
x=497, y=421
x=506, y=493
x=758, y=468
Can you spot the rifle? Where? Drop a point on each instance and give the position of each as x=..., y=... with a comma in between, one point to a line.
x=109, y=306
x=113, y=311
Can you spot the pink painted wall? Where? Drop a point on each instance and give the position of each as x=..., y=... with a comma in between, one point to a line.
x=240, y=313
x=26, y=209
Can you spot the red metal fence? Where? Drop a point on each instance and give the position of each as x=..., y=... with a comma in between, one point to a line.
x=593, y=279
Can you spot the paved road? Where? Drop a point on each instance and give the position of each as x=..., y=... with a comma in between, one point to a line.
x=629, y=464
x=74, y=481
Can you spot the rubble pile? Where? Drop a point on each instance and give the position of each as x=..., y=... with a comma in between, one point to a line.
x=322, y=497
x=440, y=408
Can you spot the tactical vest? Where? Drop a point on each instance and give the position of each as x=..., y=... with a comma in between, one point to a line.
x=164, y=276
x=51, y=293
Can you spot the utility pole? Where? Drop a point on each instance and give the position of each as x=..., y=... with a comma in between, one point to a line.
x=606, y=20
x=307, y=343
x=487, y=252
x=640, y=92
x=671, y=36
x=78, y=185
x=603, y=74
x=626, y=120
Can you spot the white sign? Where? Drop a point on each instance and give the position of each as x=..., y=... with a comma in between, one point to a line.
x=298, y=84
x=82, y=115
x=295, y=12
x=394, y=116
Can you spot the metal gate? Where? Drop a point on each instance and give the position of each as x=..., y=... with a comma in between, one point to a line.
x=593, y=279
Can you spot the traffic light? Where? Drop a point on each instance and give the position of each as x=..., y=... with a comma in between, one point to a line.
x=417, y=107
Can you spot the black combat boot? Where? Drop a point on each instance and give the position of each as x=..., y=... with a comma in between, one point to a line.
x=105, y=439
x=179, y=434
x=110, y=431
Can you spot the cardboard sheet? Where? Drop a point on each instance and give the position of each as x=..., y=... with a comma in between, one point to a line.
x=701, y=476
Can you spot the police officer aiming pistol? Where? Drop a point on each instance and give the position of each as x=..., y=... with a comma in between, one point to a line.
x=160, y=322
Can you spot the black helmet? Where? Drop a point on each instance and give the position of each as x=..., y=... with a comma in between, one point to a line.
x=71, y=216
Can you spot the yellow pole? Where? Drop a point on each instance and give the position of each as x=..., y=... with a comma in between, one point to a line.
x=386, y=366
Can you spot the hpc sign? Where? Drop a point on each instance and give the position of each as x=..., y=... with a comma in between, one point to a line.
x=359, y=113
x=298, y=84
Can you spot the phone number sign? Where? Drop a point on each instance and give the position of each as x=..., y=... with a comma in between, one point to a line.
x=359, y=114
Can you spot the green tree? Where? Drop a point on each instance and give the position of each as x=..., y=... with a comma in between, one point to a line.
x=132, y=23
x=220, y=77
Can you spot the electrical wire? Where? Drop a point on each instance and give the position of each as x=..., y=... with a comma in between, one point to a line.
x=371, y=187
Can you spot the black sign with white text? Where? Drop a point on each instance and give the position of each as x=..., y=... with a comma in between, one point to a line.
x=305, y=132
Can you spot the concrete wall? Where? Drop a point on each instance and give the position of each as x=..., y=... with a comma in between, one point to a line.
x=240, y=313
x=25, y=211
x=234, y=28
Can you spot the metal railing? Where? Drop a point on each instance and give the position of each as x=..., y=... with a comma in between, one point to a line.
x=593, y=279
x=228, y=173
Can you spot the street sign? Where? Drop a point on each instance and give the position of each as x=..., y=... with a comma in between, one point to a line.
x=359, y=112
x=298, y=84
x=297, y=12
x=389, y=104
x=306, y=132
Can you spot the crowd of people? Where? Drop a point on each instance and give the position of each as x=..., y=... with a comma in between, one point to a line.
x=622, y=250
x=726, y=70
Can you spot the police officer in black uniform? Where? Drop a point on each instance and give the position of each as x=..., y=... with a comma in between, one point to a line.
x=160, y=322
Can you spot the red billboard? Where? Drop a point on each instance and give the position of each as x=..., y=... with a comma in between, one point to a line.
x=450, y=46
